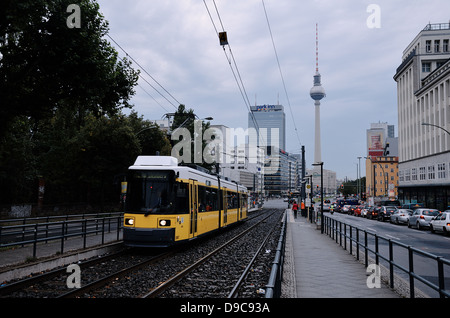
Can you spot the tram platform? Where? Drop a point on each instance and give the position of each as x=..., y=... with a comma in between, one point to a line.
x=317, y=267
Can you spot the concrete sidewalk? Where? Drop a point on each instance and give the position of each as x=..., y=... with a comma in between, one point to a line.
x=317, y=267
x=18, y=262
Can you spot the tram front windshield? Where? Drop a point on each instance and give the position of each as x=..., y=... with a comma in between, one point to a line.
x=152, y=192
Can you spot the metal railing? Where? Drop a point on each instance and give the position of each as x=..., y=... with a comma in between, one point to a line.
x=359, y=239
x=273, y=287
x=43, y=230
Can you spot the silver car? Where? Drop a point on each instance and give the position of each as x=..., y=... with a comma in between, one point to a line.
x=441, y=223
x=421, y=218
x=401, y=216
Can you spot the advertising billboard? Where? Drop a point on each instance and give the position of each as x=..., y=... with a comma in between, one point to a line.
x=375, y=142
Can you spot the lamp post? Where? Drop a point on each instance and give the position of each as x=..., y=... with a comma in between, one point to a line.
x=359, y=180
x=321, y=194
x=426, y=124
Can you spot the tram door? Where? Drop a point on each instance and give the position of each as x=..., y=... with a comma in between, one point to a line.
x=193, y=207
x=225, y=206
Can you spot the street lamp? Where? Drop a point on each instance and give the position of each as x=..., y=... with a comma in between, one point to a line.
x=426, y=124
x=321, y=194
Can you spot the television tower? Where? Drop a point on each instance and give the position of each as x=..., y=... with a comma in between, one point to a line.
x=317, y=92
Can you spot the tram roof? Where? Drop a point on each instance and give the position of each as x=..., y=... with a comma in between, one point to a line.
x=186, y=172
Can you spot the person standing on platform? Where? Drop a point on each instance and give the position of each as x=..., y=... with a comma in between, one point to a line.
x=295, y=208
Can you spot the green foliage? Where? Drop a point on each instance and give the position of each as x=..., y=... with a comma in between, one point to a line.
x=185, y=119
x=62, y=93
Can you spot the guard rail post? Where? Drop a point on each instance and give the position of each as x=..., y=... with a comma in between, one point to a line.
x=35, y=240
x=441, y=276
x=391, y=264
x=411, y=271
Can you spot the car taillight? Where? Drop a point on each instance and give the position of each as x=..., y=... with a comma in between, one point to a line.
x=422, y=217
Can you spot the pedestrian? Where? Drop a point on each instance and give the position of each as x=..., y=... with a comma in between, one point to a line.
x=295, y=208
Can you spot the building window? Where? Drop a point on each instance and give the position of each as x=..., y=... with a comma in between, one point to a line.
x=431, y=174
x=414, y=174
x=422, y=173
x=407, y=175
x=426, y=67
x=428, y=46
x=445, y=46
x=442, y=173
x=436, y=45
x=400, y=176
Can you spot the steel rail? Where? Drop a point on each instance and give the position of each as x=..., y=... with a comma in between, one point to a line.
x=157, y=291
x=27, y=282
x=105, y=280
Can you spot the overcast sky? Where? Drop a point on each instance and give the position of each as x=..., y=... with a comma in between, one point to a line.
x=176, y=43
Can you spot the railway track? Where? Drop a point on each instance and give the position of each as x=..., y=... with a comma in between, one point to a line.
x=135, y=274
x=214, y=283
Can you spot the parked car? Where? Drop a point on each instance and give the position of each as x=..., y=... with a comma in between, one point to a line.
x=421, y=218
x=326, y=207
x=346, y=209
x=441, y=223
x=373, y=212
x=364, y=211
x=385, y=212
x=401, y=216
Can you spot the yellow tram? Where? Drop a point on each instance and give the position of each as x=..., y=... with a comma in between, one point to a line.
x=168, y=204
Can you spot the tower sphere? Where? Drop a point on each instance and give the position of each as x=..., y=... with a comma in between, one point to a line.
x=317, y=92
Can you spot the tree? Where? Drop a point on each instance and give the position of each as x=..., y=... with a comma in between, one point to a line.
x=152, y=140
x=58, y=86
x=45, y=65
x=186, y=119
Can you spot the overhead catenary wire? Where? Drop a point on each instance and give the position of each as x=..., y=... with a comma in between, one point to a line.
x=146, y=72
x=281, y=73
x=235, y=70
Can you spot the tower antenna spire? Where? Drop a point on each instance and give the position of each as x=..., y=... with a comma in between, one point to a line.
x=317, y=48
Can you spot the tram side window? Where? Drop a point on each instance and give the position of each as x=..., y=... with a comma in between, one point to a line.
x=207, y=199
x=232, y=200
x=201, y=199
x=182, y=197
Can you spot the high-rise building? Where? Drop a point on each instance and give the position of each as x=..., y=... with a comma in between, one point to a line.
x=377, y=137
x=423, y=96
x=281, y=171
x=270, y=122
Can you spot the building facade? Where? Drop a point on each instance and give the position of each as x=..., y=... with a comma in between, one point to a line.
x=377, y=137
x=270, y=122
x=330, y=184
x=423, y=97
x=382, y=177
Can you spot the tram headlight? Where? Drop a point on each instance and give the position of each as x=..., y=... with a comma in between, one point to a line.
x=164, y=222
x=129, y=221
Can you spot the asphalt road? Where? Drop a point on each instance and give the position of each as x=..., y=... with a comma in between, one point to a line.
x=424, y=240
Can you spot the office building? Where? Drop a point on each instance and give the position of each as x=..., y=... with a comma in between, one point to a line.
x=423, y=96
x=270, y=122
